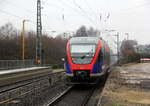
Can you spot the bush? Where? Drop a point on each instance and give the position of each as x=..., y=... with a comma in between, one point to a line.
x=57, y=66
x=130, y=58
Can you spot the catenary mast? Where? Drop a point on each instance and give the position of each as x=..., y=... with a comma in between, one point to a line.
x=39, y=34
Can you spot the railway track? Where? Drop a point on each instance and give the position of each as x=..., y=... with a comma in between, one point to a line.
x=38, y=91
x=19, y=89
x=25, y=82
x=80, y=95
x=73, y=96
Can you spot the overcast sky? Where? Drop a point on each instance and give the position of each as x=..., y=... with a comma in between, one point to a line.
x=126, y=16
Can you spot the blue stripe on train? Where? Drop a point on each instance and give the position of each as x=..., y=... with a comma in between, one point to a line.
x=97, y=68
x=68, y=68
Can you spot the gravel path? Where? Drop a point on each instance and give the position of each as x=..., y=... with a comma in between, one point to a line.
x=128, y=85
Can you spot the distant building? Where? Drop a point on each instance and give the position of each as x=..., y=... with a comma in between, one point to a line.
x=143, y=49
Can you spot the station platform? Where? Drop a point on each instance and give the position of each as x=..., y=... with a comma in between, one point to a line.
x=21, y=70
x=16, y=75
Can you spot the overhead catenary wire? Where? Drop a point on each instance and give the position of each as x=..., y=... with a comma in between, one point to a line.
x=21, y=18
x=92, y=10
x=77, y=10
x=82, y=10
x=67, y=5
x=53, y=5
x=88, y=6
x=85, y=13
x=74, y=9
x=21, y=7
x=131, y=9
x=138, y=6
x=11, y=14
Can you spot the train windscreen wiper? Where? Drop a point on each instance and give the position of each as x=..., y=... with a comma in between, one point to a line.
x=90, y=52
x=82, y=57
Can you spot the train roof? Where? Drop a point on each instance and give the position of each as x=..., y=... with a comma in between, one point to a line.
x=76, y=40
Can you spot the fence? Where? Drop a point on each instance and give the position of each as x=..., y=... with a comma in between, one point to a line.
x=13, y=64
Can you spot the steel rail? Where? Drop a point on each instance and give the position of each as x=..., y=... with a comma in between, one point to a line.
x=54, y=101
x=36, y=79
x=88, y=96
x=58, y=98
x=26, y=80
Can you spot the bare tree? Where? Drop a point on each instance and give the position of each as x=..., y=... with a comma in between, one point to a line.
x=81, y=32
x=93, y=32
x=127, y=47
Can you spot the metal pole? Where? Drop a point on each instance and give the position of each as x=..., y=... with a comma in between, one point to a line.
x=127, y=35
x=118, y=45
x=23, y=42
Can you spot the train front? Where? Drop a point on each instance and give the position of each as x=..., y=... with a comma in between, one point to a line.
x=81, y=60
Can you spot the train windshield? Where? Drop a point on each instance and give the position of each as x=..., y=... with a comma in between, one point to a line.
x=81, y=50
x=82, y=54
